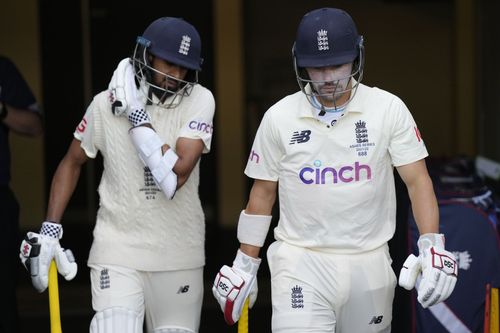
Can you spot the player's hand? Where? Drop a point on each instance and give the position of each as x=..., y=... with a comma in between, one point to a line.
x=125, y=96
x=233, y=285
x=438, y=268
x=38, y=250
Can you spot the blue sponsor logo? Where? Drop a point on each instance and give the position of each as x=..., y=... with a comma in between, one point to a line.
x=328, y=175
x=201, y=126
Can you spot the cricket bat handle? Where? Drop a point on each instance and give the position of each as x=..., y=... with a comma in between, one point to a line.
x=243, y=321
x=55, y=314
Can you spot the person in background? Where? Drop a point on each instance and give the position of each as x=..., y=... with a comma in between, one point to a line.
x=21, y=115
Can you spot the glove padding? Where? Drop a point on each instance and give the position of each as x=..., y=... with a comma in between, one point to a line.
x=438, y=267
x=125, y=97
x=233, y=285
x=38, y=250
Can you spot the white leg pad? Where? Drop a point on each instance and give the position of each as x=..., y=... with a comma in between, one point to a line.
x=116, y=320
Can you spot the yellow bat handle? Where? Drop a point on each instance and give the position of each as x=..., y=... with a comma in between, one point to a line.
x=243, y=322
x=55, y=315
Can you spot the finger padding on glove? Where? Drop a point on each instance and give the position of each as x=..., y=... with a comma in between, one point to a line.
x=117, y=88
x=231, y=288
x=409, y=272
x=38, y=250
x=125, y=95
x=36, y=254
x=65, y=262
x=439, y=276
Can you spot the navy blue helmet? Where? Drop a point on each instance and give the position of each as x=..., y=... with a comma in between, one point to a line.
x=327, y=37
x=176, y=41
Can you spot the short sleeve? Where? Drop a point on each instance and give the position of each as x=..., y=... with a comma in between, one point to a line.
x=266, y=153
x=406, y=144
x=87, y=131
x=198, y=122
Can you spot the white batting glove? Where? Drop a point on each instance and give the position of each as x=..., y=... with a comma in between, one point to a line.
x=125, y=97
x=38, y=250
x=233, y=285
x=438, y=268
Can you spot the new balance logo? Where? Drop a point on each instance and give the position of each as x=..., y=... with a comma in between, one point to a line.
x=376, y=320
x=183, y=289
x=300, y=137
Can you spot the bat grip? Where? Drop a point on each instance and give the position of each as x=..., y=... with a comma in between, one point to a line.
x=243, y=321
x=55, y=314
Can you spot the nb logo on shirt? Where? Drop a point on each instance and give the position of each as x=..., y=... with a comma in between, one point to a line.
x=301, y=137
x=376, y=320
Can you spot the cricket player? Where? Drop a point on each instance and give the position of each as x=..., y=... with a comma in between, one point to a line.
x=151, y=127
x=330, y=150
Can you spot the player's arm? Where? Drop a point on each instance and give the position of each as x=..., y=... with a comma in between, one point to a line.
x=436, y=266
x=233, y=285
x=261, y=201
x=65, y=180
x=21, y=121
x=422, y=197
x=189, y=152
x=39, y=249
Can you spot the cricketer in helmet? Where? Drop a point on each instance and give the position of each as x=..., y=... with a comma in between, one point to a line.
x=167, y=60
x=328, y=57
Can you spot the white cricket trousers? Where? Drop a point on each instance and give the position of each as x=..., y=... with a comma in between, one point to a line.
x=315, y=291
x=167, y=299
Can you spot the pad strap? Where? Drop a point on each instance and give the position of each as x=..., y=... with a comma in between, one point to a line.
x=252, y=229
x=150, y=144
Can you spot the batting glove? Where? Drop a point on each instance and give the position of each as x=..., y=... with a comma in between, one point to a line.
x=125, y=97
x=38, y=250
x=233, y=285
x=438, y=269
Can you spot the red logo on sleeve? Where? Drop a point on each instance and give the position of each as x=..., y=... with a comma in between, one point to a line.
x=417, y=134
x=82, y=126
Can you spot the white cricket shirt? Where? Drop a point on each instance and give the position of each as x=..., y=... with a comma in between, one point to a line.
x=336, y=182
x=137, y=226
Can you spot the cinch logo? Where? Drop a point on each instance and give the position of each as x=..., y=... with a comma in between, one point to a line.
x=202, y=127
x=254, y=157
x=345, y=174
